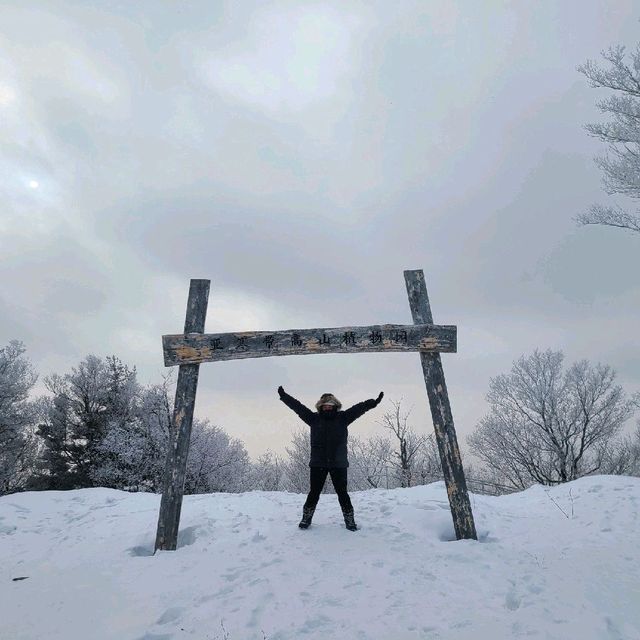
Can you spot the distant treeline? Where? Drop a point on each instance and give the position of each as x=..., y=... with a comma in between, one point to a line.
x=98, y=426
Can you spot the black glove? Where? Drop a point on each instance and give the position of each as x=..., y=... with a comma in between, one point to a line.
x=379, y=398
x=280, y=391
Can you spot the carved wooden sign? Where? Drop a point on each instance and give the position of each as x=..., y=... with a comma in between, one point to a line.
x=196, y=348
x=193, y=347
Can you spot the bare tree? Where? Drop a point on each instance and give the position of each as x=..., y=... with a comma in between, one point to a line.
x=621, y=133
x=548, y=427
x=408, y=445
x=428, y=466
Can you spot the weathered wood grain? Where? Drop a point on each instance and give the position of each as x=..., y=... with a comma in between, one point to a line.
x=180, y=433
x=197, y=348
x=451, y=461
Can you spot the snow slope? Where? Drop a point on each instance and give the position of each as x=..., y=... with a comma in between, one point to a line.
x=244, y=570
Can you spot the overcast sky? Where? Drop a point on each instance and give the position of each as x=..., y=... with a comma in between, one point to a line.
x=301, y=155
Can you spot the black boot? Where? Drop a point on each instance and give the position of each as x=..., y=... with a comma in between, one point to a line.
x=307, y=515
x=349, y=522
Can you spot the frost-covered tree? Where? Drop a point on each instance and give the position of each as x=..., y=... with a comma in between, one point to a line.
x=216, y=462
x=133, y=452
x=120, y=418
x=96, y=397
x=369, y=462
x=548, y=426
x=85, y=389
x=620, y=132
x=623, y=458
x=155, y=422
x=17, y=414
x=296, y=464
x=267, y=472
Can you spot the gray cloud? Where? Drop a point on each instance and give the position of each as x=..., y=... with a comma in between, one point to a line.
x=301, y=156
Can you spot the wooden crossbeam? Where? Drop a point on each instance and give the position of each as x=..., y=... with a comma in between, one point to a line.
x=197, y=348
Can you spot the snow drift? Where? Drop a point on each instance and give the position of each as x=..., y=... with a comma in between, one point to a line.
x=550, y=563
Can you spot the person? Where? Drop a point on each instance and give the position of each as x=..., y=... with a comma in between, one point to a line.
x=328, y=449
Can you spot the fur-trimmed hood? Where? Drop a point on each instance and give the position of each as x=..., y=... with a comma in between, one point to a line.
x=328, y=398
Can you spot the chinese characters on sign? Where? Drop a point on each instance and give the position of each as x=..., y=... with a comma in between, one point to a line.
x=373, y=336
x=400, y=337
x=215, y=347
x=349, y=338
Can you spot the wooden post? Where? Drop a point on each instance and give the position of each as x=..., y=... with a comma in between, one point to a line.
x=441, y=413
x=180, y=431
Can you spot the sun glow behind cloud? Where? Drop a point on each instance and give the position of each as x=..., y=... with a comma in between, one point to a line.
x=8, y=95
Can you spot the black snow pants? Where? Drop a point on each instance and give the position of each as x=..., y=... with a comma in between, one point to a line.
x=318, y=476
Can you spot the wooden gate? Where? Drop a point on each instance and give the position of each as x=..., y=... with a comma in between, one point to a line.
x=193, y=347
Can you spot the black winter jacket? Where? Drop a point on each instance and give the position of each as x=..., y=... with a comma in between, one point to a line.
x=328, y=430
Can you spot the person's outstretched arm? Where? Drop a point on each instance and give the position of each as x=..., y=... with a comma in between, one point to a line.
x=305, y=414
x=359, y=409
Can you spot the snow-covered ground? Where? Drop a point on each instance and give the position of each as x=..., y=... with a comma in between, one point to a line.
x=244, y=570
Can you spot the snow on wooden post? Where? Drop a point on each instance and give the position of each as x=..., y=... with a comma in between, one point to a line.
x=441, y=414
x=180, y=430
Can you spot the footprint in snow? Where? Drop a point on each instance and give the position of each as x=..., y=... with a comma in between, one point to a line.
x=186, y=537
x=19, y=508
x=512, y=600
x=141, y=550
x=170, y=615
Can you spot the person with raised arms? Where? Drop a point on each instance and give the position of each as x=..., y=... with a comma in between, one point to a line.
x=329, y=433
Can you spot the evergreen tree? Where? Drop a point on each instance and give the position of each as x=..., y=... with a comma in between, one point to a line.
x=54, y=469
x=98, y=396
